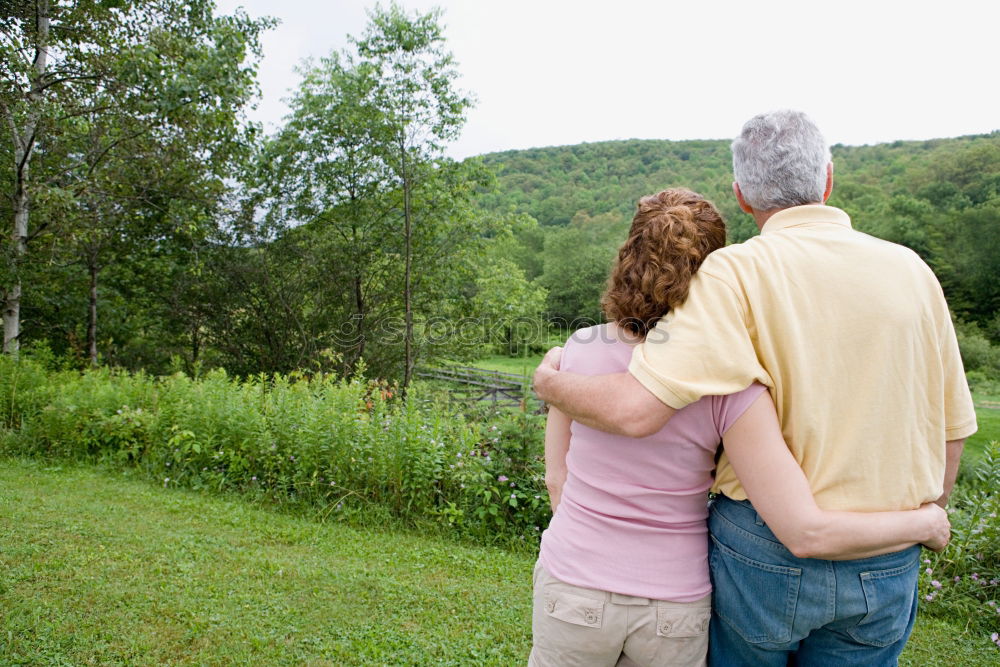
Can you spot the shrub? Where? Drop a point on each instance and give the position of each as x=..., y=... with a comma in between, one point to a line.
x=977, y=352
x=345, y=447
x=964, y=580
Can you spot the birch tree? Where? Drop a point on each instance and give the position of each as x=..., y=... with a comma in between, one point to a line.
x=419, y=110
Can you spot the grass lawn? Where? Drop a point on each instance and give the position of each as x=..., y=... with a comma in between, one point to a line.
x=988, y=416
x=98, y=568
x=504, y=364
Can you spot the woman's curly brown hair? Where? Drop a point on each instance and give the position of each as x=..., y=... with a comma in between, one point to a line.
x=672, y=233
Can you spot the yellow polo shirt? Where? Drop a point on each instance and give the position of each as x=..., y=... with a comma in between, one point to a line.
x=854, y=339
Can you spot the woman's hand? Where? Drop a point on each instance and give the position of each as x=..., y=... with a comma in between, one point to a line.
x=939, y=526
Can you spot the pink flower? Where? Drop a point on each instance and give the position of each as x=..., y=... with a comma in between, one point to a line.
x=502, y=478
x=929, y=597
x=936, y=584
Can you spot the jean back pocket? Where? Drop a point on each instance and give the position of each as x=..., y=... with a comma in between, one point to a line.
x=889, y=596
x=757, y=599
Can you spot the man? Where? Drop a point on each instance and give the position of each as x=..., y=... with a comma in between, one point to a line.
x=854, y=340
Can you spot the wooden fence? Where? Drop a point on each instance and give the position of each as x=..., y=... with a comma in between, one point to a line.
x=480, y=384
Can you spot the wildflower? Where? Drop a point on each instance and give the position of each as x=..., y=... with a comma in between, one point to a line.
x=992, y=603
x=513, y=495
x=512, y=485
x=333, y=483
x=461, y=486
x=929, y=597
x=254, y=478
x=502, y=478
x=459, y=455
x=957, y=579
x=291, y=458
x=929, y=571
x=936, y=584
x=994, y=582
x=975, y=576
x=927, y=561
x=166, y=479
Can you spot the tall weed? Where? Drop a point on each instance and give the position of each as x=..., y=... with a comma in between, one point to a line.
x=346, y=447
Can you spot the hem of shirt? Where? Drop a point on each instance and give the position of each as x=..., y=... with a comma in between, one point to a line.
x=655, y=385
x=678, y=597
x=962, y=431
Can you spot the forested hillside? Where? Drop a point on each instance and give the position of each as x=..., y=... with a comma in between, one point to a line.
x=940, y=197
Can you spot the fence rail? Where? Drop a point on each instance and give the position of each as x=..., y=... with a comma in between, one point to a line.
x=481, y=384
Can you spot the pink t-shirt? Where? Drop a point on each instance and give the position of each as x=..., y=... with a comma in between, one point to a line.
x=632, y=519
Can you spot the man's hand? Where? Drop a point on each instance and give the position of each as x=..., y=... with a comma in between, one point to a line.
x=939, y=526
x=545, y=372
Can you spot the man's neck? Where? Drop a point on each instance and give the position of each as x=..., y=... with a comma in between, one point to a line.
x=761, y=217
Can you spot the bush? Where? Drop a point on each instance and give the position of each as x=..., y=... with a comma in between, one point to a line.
x=963, y=581
x=977, y=352
x=348, y=448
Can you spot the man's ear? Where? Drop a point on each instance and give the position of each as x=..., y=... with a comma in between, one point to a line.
x=739, y=197
x=829, y=182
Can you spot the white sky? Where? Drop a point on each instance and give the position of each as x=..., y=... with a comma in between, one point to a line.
x=554, y=72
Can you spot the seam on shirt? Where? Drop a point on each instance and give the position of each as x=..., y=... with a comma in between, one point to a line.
x=655, y=385
x=960, y=431
x=739, y=299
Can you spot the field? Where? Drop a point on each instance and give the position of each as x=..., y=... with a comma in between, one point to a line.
x=99, y=568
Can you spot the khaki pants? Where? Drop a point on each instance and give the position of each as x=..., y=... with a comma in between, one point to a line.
x=583, y=627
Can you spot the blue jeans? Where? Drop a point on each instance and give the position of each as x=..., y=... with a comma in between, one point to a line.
x=772, y=608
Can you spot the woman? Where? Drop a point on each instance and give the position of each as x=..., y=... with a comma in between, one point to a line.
x=622, y=575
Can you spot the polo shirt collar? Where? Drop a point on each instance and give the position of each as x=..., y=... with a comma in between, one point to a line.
x=809, y=214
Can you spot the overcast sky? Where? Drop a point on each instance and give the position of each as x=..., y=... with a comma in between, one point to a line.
x=554, y=72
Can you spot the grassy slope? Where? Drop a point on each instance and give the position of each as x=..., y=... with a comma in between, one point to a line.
x=98, y=568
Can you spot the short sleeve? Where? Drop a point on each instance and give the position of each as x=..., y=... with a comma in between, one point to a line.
x=959, y=410
x=702, y=348
x=567, y=362
x=728, y=409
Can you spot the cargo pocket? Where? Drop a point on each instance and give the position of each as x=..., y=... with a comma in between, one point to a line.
x=757, y=599
x=679, y=623
x=574, y=609
x=889, y=597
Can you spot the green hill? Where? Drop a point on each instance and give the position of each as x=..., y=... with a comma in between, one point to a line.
x=940, y=197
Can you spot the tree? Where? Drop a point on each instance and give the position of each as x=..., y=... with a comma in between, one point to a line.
x=111, y=90
x=418, y=110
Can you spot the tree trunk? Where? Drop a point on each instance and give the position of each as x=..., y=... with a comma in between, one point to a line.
x=24, y=144
x=92, y=313
x=359, y=304
x=407, y=254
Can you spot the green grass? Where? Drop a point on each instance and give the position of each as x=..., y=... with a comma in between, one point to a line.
x=504, y=364
x=988, y=416
x=98, y=568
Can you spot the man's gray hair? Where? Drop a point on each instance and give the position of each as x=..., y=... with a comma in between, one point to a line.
x=779, y=160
